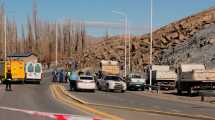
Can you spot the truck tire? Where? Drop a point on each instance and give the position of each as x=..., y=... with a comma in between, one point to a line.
x=189, y=91
x=179, y=92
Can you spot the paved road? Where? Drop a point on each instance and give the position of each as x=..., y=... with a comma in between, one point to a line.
x=31, y=97
x=129, y=99
x=39, y=98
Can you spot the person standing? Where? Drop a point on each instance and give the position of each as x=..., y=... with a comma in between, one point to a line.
x=67, y=76
x=8, y=81
x=54, y=74
x=61, y=76
x=72, y=80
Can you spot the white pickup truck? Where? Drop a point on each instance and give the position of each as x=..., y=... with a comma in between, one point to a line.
x=135, y=82
x=111, y=83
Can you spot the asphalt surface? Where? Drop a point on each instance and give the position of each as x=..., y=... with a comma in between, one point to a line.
x=39, y=98
x=128, y=99
x=31, y=97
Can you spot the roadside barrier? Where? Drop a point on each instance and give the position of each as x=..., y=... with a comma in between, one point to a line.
x=153, y=87
x=204, y=94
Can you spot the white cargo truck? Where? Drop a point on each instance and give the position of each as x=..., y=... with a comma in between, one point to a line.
x=162, y=76
x=194, y=77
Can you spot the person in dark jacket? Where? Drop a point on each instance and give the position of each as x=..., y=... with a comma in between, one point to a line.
x=61, y=76
x=54, y=74
x=8, y=80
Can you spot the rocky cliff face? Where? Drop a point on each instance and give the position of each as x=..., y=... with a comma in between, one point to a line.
x=165, y=39
x=198, y=49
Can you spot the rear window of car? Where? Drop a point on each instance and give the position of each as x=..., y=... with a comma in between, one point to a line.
x=37, y=68
x=30, y=68
x=136, y=76
x=115, y=78
x=86, y=78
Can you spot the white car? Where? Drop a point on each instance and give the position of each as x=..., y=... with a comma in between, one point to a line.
x=111, y=83
x=86, y=82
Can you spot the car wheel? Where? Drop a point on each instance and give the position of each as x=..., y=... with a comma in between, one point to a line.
x=107, y=88
x=92, y=91
x=111, y=90
x=122, y=91
x=99, y=87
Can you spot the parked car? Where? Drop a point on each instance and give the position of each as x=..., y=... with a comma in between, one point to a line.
x=33, y=72
x=111, y=83
x=135, y=82
x=86, y=82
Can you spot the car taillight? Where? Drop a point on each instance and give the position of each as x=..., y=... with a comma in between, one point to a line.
x=79, y=81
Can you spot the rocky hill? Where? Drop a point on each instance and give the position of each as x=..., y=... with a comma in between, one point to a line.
x=198, y=49
x=165, y=39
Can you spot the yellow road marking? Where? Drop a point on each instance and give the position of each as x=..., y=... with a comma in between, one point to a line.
x=68, y=101
x=58, y=97
x=136, y=109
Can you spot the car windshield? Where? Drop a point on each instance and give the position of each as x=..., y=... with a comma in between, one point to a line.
x=86, y=78
x=115, y=78
x=136, y=76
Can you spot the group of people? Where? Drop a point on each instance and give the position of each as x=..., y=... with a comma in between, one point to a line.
x=60, y=76
x=66, y=76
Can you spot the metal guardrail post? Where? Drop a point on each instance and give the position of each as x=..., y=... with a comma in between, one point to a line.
x=158, y=89
x=202, y=98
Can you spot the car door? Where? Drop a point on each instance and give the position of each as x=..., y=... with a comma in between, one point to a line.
x=29, y=70
x=102, y=83
x=38, y=71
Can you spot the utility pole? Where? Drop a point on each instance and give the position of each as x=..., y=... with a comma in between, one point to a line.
x=129, y=52
x=5, y=37
x=125, y=36
x=56, y=45
x=151, y=43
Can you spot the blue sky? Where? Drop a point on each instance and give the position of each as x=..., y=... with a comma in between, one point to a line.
x=138, y=12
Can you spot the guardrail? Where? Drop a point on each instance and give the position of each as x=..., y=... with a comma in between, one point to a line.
x=208, y=93
x=153, y=87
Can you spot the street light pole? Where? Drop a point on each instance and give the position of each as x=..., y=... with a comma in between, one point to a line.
x=5, y=37
x=56, y=45
x=125, y=36
x=151, y=43
x=129, y=51
x=126, y=33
